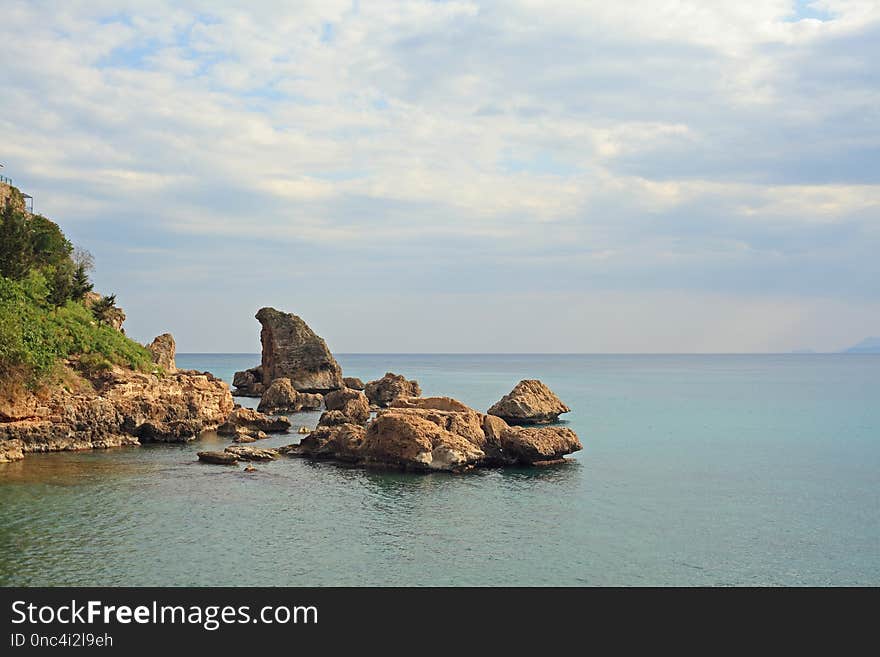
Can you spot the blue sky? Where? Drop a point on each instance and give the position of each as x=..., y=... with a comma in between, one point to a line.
x=462, y=176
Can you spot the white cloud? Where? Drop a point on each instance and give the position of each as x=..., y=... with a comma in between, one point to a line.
x=585, y=134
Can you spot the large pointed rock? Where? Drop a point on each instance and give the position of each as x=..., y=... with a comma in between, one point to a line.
x=292, y=350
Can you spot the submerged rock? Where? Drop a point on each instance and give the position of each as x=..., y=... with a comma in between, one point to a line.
x=218, y=458
x=382, y=392
x=292, y=350
x=530, y=402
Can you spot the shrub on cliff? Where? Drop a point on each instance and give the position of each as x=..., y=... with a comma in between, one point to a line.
x=35, y=335
x=43, y=320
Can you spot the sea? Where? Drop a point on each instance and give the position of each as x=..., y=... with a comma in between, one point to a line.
x=697, y=470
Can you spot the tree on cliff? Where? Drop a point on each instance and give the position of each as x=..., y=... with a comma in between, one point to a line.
x=103, y=308
x=16, y=246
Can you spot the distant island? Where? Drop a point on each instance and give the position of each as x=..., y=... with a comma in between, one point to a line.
x=866, y=346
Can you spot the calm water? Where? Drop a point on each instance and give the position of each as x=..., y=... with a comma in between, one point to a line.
x=697, y=470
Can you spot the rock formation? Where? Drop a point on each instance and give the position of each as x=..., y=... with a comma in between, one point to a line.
x=218, y=458
x=292, y=350
x=382, y=392
x=431, y=434
x=353, y=382
x=249, y=383
x=252, y=421
x=352, y=404
x=126, y=408
x=248, y=453
x=282, y=397
x=163, y=349
x=530, y=402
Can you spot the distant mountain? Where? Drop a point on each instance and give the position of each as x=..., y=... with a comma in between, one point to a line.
x=866, y=346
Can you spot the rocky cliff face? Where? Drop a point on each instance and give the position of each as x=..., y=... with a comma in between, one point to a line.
x=124, y=408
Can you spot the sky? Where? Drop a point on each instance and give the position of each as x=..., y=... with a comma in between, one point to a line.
x=423, y=176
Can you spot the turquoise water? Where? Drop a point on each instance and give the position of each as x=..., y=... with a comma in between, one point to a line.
x=697, y=470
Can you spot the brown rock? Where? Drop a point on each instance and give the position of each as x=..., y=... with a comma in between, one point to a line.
x=249, y=383
x=310, y=401
x=252, y=421
x=11, y=450
x=292, y=350
x=352, y=404
x=163, y=349
x=218, y=458
x=333, y=418
x=248, y=453
x=282, y=397
x=342, y=442
x=530, y=402
x=404, y=439
x=434, y=403
x=382, y=392
x=353, y=382
x=539, y=445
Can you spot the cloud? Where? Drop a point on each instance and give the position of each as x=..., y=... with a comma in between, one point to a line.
x=723, y=150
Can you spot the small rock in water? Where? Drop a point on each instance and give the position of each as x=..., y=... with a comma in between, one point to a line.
x=304, y=429
x=249, y=468
x=218, y=458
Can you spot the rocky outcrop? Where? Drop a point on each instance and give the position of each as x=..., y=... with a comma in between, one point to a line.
x=282, y=397
x=126, y=408
x=431, y=434
x=382, y=392
x=530, y=402
x=163, y=349
x=292, y=350
x=251, y=420
x=352, y=404
x=249, y=383
x=248, y=453
x=353, y=382
x=342, y=443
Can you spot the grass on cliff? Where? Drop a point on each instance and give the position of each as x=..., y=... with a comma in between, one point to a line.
x=35, y=335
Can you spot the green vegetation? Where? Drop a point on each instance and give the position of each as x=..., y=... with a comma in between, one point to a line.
x=44, y=314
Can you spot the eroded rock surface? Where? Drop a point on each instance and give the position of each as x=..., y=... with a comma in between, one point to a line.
x=431, y=434
x=251, y=420
x=163, y=349
x=126, y=408
x=390, y=387
x=353, y=404
x=292, y=350
x=282, y=397
x=530, y=402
